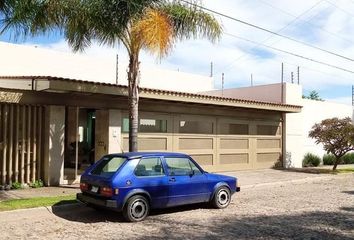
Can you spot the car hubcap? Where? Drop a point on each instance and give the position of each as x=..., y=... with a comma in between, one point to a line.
x=223, y=197
x=138, y=209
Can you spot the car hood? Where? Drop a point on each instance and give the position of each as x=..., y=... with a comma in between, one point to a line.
x=220, y=177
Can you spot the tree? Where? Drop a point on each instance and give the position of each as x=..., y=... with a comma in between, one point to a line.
x=154, y=26
x=336, y=135
x=313, y=95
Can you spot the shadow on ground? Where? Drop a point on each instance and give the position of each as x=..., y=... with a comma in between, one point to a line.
x=86, y=214
x=309, y=225
x=349, y=192
x=307, y=170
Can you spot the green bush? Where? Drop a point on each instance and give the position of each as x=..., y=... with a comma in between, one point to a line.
x=37, y=184
x=348, y=158
x=328, y=159
x=16, y=185
x=311, y=160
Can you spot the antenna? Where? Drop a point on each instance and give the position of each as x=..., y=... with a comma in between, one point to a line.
x=251, y=80
x=117, y=69
x=353, y=95
x=298, y=75
x=282, y=83
x=222, y=84
x=292, y=77
x=211, y=69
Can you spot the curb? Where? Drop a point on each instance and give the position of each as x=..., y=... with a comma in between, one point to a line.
x=63, y=207
x=302, y=180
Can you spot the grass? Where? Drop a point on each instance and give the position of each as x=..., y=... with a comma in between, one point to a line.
x=36, y=202
x=345, y=170
x=320, y=170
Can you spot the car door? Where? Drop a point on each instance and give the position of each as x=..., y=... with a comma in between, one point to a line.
x=186, y=185
x=150, y=176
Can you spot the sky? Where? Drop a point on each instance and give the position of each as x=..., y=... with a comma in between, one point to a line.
x=327, y=24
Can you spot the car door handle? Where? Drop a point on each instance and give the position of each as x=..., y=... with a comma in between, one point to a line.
x=172, y=179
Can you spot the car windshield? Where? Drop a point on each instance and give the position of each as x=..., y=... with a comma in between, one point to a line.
x=108, y=166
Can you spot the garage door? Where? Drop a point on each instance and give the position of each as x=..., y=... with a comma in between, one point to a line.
x=216, y=143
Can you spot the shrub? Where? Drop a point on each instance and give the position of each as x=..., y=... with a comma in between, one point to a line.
x=328, y=159
x=311, y=160
x=16, y=185
x=37, y=184
x=348, y=158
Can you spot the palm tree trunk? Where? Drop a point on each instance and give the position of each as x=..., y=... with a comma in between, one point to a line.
x=133, y=98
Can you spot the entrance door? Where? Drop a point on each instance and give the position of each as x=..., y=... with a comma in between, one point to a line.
x=101, y=133
x=187, y=184
x=79, y=142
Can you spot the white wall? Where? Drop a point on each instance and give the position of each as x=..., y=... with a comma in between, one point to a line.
x=19, y=60
x=298, y=125
x=314, y=112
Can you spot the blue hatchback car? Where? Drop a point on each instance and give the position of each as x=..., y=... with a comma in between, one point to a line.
x=136, y=182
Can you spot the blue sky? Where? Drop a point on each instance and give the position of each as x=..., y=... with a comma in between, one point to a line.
x=323, y=23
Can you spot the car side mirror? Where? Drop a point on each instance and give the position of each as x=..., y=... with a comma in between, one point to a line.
x=191, y=173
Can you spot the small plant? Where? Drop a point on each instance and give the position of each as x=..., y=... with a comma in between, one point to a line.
x=36, y=184
x=328, y=159
x=311, y=160
x=348, y=158
x=16, y=185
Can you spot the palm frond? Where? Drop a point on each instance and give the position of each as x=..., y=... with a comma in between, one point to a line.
x=154, y=32
x=189, y=21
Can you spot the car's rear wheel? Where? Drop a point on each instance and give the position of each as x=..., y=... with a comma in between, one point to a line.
x=136, y=209
x=222, y=198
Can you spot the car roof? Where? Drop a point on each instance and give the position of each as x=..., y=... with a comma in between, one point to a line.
x=133, y=155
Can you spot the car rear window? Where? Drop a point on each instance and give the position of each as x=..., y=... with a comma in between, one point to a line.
x=108, y=166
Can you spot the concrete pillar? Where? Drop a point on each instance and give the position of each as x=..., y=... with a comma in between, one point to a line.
x=114, y=139
x=55, y=132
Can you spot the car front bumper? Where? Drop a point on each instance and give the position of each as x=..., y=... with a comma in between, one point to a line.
x=112, y=204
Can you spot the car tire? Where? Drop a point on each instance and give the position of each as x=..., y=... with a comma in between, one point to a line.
x=222, y=198
x=136, y=209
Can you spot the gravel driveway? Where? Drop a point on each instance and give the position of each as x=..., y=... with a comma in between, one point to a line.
x=315, y=209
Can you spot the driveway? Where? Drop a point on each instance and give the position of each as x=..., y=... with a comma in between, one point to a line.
x=313, y=208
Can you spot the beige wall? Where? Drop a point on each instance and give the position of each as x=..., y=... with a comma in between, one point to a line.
x=54, y=164
x=114, y=131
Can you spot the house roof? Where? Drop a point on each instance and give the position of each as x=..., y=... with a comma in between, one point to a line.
x=59, y=84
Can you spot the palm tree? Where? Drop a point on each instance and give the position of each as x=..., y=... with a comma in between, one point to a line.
x=154, y=26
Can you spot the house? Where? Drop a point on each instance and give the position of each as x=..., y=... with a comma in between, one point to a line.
x=53, y=127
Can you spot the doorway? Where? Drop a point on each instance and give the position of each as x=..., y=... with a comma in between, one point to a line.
x=80, y=141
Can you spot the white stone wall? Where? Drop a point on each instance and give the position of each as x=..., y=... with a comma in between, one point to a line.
x=19, y=60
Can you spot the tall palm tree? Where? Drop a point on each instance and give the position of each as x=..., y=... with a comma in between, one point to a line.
x=154, y=26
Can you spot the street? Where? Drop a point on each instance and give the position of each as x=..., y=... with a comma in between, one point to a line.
x=318, y=208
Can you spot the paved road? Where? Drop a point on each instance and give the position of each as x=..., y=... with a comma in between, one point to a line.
x=312, y=209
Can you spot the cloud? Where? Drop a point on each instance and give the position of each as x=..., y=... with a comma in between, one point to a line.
x=327, y=24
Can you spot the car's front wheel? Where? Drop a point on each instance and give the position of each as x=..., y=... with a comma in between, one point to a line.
x=222, y=198
x=136, y=209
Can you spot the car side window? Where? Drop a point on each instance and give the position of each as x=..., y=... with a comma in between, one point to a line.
x=195, y=168
x=149, y=167
x=178, y=166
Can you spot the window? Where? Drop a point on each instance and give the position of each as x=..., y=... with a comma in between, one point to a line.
x=108, y=166
x=181, y=167
x=269, y=130
x=147, y=125
x=197, y=127
x=234, y=129
x=149, y=167
x=195, y=168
